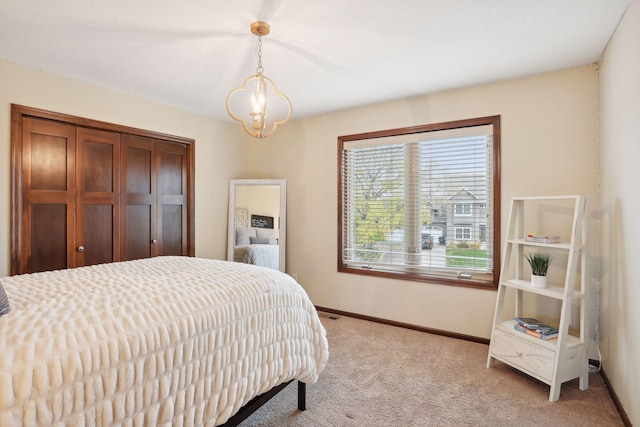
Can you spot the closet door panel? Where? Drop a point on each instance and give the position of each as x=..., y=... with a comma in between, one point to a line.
x=48, y=196
x=98, y=232
x=48, y=159
x=172, y=235
x=139, y=234
x=98, y=197
x=139, y=195
x=139, y=167
x=172, y=199
x=98, y=166
x=48, y=237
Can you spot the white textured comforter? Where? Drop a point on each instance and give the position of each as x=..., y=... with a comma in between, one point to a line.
x=163, y=341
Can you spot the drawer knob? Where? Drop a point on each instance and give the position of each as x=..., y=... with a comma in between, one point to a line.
x=519, y=353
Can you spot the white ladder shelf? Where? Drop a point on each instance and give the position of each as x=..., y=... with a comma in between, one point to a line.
x=550, y=361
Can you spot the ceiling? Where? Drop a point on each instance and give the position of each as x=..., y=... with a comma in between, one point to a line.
x=324, y=55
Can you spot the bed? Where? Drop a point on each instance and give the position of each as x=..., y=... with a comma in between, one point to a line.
x=160, y=341
x=257, y=254
x=257, y=247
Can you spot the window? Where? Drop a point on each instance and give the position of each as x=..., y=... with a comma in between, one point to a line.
x=463, y=233
x=422, y=203
x=463, y=209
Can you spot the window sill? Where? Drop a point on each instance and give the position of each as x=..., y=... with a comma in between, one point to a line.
x=425, y=278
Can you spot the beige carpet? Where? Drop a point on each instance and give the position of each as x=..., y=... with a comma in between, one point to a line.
x=380, y=375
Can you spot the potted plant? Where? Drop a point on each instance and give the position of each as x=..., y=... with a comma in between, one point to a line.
x=539, y=263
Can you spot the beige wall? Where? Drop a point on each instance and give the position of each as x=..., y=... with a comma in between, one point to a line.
x=620, y=204
x=260, y=200
x=549, y=147
x=220, y=146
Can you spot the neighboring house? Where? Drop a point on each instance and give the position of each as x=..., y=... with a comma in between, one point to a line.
x=466, y=217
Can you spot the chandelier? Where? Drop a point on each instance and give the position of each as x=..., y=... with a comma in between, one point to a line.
x=257, y=103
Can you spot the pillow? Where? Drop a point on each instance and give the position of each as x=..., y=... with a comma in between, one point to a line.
x=260, y=241
x=4, y=301
x=266, y=234
x=272, y=235
x=243, y=234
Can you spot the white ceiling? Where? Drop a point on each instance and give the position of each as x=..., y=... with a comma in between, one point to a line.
x=325, y=55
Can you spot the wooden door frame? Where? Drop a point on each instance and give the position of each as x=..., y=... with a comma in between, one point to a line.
x=19, y=112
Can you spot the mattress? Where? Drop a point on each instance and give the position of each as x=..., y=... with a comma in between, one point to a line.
x=262, y=255
x=161, y=341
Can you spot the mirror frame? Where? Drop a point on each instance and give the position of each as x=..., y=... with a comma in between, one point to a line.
x=282, y=238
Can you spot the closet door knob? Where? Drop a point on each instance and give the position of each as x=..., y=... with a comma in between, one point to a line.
x=80, y=248
x=154, y=241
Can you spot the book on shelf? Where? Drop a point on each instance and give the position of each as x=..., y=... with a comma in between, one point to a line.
x=531, y=323
x=542, y=334
x=537, y=238
x=535, y=328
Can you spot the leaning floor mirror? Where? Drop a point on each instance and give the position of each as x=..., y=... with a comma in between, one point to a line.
x=257, y=222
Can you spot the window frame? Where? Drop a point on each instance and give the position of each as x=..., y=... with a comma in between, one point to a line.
x=491, y=281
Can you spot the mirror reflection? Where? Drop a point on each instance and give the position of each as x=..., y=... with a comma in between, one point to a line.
x=257, y=222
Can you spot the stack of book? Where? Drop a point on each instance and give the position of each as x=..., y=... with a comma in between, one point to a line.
x=536, y=238
x=535, y=328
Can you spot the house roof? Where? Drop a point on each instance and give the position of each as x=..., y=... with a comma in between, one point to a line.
x=325, y=55
x=462, y=192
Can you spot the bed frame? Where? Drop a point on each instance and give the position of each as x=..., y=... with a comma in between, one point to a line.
x=258, y=401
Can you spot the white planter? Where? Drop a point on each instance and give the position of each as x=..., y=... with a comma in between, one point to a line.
x=538, y=281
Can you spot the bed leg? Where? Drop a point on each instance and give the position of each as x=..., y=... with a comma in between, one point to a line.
x=302, y=396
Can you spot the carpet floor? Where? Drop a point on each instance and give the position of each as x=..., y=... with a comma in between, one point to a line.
x=381, y=375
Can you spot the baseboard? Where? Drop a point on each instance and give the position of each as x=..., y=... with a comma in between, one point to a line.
x=596, y=363
x=625, y=418
x=406, y=325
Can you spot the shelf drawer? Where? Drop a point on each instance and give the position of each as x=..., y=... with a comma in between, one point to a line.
x=523, y=355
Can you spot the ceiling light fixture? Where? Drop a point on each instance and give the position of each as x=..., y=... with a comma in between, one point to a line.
x=264, y=108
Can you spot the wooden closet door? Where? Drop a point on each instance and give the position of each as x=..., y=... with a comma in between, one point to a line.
x=172, y=198
x=139, y=189
x=86, y=192
x=48, y=196
x=155, y=194
x=97, y=197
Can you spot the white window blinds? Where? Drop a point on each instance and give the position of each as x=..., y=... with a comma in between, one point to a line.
x=420, y=203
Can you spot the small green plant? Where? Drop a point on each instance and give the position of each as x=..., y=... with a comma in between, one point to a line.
x=539, y=263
